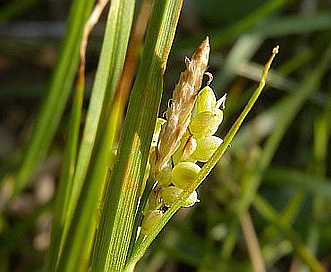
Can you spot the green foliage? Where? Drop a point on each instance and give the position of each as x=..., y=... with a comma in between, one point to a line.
x=264, y=195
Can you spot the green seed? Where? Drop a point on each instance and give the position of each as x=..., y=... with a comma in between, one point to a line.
x=184, y=173
x=206, y=148
x=206, y=100
x=170, y=196
x=206, y=123
x=150, y=220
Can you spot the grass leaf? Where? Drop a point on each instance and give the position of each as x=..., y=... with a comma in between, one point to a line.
x=122, y=192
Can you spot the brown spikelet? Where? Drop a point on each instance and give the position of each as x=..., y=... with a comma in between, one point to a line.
x=179, y=112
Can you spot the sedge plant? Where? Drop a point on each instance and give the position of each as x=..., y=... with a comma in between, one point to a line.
x=113, y=200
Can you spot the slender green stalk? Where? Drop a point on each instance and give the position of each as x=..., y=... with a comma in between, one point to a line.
x=291, y=105
x=122, y=191
x=141, y=247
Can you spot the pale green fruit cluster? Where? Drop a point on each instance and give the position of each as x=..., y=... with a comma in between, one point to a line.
x=197, y=144
x=206, y=118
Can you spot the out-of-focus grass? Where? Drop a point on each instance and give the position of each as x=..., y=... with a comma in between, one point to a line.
x=288, y=197
x=15, y=8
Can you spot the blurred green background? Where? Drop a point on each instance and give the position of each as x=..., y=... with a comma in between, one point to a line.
x=270, y=194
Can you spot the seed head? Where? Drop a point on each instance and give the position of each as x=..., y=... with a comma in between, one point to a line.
x=179, y=112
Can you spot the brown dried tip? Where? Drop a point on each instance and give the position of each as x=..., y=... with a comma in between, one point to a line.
x=179, y=112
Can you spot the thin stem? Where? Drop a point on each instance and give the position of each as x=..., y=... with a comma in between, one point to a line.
x=252, y=242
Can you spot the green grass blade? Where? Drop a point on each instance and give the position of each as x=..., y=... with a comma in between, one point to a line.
x=82, y=212
x=224, y=36
x=233, y=31
x=293, y=25
x=66, y=179
x=106, y=80
x=121, y=195
x=53, y=106
x=311, y=184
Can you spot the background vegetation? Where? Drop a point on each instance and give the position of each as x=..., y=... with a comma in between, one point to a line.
x=266, y=204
